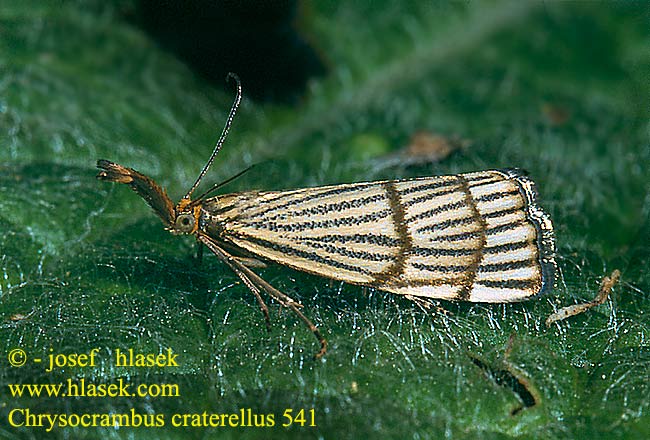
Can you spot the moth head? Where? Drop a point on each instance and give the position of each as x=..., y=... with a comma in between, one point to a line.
x=186, y=217
x=184, y=223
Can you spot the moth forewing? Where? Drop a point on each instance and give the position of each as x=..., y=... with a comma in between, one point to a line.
x=477, y=237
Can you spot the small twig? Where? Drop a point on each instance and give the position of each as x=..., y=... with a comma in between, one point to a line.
x=603, y=293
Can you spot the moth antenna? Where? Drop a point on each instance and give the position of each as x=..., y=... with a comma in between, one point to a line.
x=224, y=134
x=216, y=186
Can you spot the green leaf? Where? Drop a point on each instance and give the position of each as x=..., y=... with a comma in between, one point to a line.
x=558, y=89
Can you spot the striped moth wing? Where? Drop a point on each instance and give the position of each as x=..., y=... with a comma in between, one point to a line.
x=477, y=237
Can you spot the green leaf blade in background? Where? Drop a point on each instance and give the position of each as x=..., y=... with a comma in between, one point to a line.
x=85, y=264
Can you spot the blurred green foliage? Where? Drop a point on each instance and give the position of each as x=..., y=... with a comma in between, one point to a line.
x=559, y=89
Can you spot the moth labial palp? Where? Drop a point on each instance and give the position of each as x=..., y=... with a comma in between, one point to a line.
x=478, y=237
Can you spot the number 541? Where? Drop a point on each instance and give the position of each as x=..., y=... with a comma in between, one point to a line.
x=301, y=417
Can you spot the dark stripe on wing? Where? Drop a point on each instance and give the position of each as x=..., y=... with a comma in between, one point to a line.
x=349, y=253
x=507, y=247
x=441, y=267
x=503, y=212
x=319, y=224
x=396, y=269
x=427, y=186
x=506, y=227
x=277, y=203
x=331, y=207
x=473, y=234
x=430, y=196
x=441, y=252
x=447, y=224
x=438, y=210
x=376, y=239
x=508, y=265
x=451, y=252
x=457, y=237
x=496, y=195
x=509, y=284
x=307, y=255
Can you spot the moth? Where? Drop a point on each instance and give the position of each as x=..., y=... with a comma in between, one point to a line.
x=478, y=237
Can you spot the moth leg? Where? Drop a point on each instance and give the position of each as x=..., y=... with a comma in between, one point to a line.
x=254, y=282
x=251, y=286
x=426, y=304
x=423, y=304
x=246, y=261
x=262, y=304
x=251, y=262
x=256, y=291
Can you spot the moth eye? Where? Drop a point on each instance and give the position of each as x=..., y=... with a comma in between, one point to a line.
x=185, y=222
